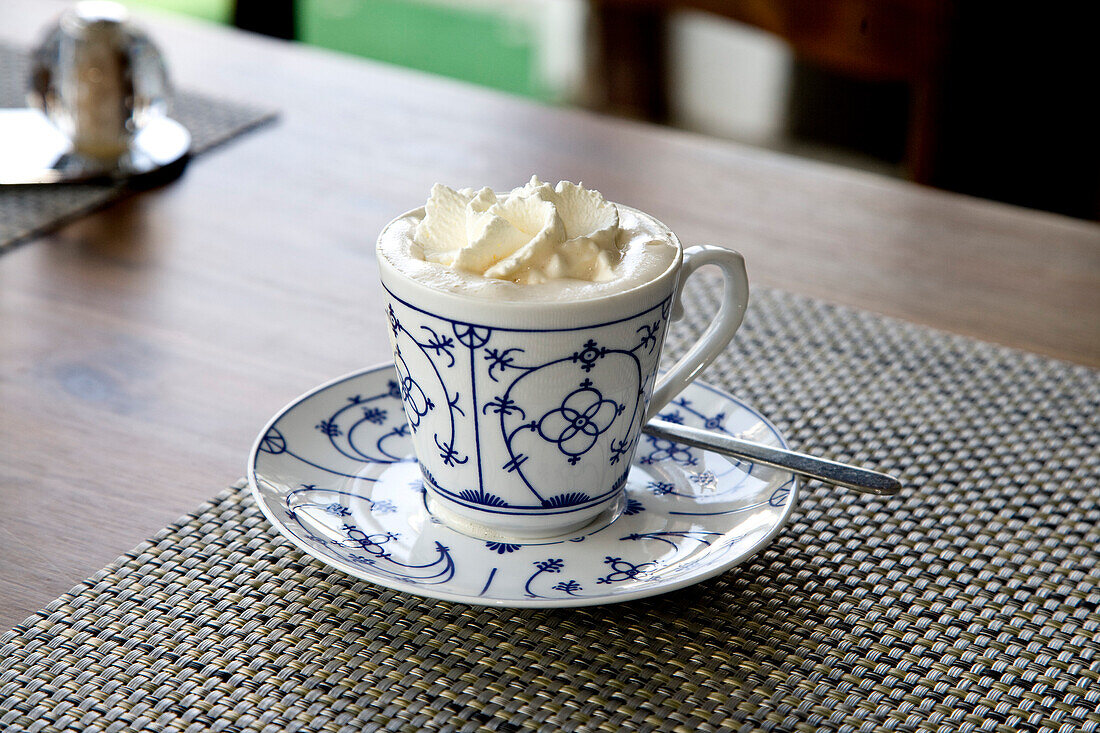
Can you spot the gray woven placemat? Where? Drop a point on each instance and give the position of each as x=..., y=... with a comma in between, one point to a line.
x=28, y=211
x=968, y=603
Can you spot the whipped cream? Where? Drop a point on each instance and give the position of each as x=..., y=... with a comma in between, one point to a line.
x=535, y=243
x=533, y=234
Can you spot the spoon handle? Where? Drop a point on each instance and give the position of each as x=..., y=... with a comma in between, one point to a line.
x=831, y=472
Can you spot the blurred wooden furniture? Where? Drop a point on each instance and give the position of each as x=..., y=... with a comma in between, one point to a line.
x=998, y=94
x=876, y=40
x=144, y=346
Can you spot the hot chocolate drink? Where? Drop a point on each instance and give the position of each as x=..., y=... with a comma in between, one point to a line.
x=535, y=243
x=526, y=330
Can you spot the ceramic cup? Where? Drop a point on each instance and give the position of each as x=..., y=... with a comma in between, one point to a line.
x=525, y=416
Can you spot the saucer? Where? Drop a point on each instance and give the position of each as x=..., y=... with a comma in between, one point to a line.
x=334, y=472
x=34, y=152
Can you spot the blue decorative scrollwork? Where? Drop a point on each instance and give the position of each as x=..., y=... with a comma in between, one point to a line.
x=294, y=502
x=649, y=333
x=482, y=498
x=395, y=324
x=581, y=420
x=374, y=544
x=621, y=449
x=416, y=402
x=589, y=354
x=352, y=430
x=664, y=450
x=447, y=452
x=583, y=416
x=501, y=359
x=661, y=488
x=374, y=415
x=368, y=548
x=667, y=450
x=503, y=405
x=691, y=534
x=414, y=396
x=398, y=432
x=593, y=426
x=552, y=565
x=781, y=494
x=625, y=570
x=715, y=422
x=439, y=345
x=338, y=510
x=384, y=506
x=438, y=571
x=273, y=442
x=569, y=587
x=470, y=336
x=329, y=428
x=705, y=480
x=502, y=547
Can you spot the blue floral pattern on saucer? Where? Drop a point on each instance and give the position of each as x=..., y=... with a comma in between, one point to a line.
x=335, y=473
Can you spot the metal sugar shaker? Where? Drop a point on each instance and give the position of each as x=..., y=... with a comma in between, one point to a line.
x=98, y=79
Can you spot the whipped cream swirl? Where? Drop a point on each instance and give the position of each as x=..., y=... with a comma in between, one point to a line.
x=534, y=234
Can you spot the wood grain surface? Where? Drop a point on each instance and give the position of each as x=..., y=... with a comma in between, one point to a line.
x=143, y=347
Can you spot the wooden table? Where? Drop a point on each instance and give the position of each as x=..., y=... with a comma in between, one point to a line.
x=143, y=347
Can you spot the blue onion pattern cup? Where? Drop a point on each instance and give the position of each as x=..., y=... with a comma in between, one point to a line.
x=525, y=416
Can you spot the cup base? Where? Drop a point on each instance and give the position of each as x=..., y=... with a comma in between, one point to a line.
x=471, y=528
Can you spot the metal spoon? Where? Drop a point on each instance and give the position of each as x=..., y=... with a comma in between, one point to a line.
x=831, y=472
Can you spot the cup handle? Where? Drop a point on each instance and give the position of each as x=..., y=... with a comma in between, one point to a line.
x=735, y=298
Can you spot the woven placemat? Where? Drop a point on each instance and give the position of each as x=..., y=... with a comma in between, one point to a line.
x=28, y=211
x=967, y=603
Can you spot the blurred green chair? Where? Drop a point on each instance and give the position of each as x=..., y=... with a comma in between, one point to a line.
x=217, y=11
x=492, y=44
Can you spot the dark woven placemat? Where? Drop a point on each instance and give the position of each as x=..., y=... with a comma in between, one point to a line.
x=27, y=211
x=968, y=603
